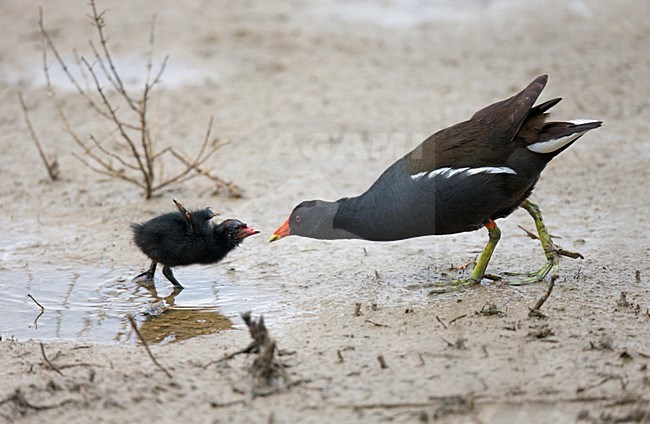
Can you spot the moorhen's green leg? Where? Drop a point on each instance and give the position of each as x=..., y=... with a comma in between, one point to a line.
x=494, y=234
x=148, y=274
x=167, y=272
x=551, y=252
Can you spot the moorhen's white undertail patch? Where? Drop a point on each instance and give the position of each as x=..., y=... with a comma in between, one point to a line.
x=461, y=178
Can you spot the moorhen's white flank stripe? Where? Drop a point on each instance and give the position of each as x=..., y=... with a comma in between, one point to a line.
x=557, y=143
x=450, y=172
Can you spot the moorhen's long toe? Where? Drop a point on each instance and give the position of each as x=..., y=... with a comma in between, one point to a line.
x=185, y=238
x=462, y=178
x=551, y=251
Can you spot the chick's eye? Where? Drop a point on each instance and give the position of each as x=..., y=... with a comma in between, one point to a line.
x=298, y=219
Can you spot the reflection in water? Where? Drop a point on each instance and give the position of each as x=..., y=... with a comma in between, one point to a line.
x=92, y=305
x=181, y=323
x=166, y=322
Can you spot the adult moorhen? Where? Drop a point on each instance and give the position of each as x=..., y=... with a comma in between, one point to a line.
x=459, y=179
x=186, y=238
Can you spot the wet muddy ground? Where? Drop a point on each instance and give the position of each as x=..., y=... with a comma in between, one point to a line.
x=317, y=99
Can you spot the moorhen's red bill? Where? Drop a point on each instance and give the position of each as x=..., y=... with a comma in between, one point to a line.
x=459, y=179
x=186, y=238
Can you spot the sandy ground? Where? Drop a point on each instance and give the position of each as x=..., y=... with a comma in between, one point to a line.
x=318, y=99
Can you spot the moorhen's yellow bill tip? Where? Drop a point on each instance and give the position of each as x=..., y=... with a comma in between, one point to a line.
x=281, y=232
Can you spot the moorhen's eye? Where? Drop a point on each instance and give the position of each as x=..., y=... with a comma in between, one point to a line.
x=298, y=219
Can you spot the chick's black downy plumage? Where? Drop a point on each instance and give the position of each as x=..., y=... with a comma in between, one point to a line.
x=174, y=239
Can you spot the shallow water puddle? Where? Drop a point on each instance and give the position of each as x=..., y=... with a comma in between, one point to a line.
x=85, y=304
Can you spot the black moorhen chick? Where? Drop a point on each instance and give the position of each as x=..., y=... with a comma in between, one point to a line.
x=459, y=179
x=186, y=238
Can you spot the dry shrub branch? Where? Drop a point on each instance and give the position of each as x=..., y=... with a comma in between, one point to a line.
x=128, y=149
x=52, y=166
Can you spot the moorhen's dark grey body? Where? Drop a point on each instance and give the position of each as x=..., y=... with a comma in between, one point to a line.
x=174, y=239
x=459, y=179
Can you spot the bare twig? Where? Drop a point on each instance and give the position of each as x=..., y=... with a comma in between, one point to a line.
x=106, y=152
x=100, y=24
x=529, y=233
x=35, y=301
x=377, y=324
x=40, y=313
x=535, y=310
x=191, y=164
x=184, y=211
x=492, y=277
x=457, y=318
x=558, y=249
x=150, y=52
x=99, y=59
x=77, y=61
x=52, y=167
x=215, y=404
x=163, y=66
x=118, y=123
x=568, y=253
x=543, y=299
x=259, y=334
x=233, y=190
x=109, y=171
x=462, y=267
x=206, y=140
x=48, y=361
x=161, y=70
x=441, y=323
x=146, y=346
